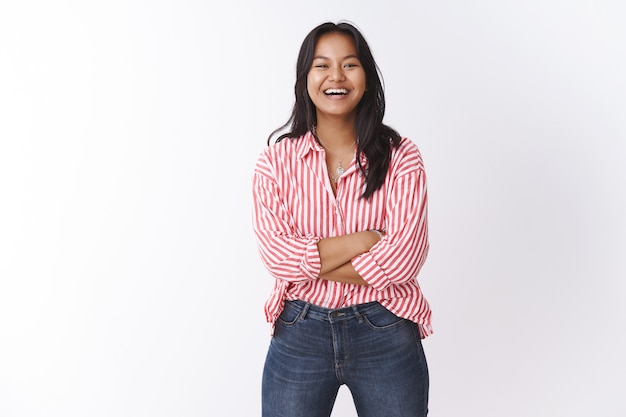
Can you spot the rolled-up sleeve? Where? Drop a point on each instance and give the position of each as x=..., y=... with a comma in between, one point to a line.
x=399, y=256
x=286, y=255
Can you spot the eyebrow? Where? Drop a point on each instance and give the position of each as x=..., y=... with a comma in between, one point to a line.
x=324, y=57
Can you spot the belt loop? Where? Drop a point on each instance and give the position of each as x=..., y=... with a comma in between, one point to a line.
x=357, y=313
x=304, y=311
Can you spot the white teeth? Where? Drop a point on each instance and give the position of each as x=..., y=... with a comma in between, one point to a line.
x=336, y=91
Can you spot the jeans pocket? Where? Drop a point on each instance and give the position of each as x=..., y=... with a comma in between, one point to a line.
x=289, y=315
x=382, y=319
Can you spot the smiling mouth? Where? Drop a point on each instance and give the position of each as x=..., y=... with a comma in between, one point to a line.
x=336, y=92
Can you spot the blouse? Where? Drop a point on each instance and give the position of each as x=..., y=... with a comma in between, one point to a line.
x=294, y=207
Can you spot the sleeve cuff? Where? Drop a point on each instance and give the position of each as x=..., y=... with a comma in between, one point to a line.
x=367, y=267
x=311, y=262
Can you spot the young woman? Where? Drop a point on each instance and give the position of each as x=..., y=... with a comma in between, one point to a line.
x=340, y=215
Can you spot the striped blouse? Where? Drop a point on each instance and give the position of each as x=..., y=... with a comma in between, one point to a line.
x=294, y=207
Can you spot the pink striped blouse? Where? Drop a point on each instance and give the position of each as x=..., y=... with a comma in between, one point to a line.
x=294, y=207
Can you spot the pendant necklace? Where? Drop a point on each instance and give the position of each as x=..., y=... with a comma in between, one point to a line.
x=340, y=169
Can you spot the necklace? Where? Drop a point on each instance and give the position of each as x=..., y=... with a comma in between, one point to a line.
x=340, y=170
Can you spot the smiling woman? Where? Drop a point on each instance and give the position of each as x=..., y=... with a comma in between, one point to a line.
x=336, y=81
x=340, y=215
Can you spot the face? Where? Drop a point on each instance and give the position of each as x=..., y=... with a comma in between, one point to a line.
x=336, y=80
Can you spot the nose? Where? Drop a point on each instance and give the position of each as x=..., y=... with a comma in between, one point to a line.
x=336, y=74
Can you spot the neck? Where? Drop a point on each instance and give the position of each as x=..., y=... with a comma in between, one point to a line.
x=336, y=134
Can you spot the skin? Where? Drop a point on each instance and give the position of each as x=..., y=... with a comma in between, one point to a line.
x=336, y=65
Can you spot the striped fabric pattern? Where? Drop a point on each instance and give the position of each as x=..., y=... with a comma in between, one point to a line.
x=294, y=207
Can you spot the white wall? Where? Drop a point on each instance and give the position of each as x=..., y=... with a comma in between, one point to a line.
x=129, y=279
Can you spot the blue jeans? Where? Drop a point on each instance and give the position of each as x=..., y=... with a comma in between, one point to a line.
x=315, y=350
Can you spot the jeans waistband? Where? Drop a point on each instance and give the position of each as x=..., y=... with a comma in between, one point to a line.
x=315, y=312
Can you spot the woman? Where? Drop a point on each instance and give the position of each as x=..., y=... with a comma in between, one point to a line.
x=341, y=219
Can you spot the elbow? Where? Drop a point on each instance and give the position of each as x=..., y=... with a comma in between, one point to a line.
x=288, y=270
x=404, y=272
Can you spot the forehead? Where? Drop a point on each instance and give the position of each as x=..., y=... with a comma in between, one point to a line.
x=335, y=44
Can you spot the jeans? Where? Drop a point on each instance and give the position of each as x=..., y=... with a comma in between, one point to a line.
x=315, y=350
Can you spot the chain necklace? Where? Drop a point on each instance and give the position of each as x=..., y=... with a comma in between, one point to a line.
x=340, y=169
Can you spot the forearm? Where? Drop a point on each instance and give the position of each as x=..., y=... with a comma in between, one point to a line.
x=399, y=258
x=345, y=273
x=337, y=251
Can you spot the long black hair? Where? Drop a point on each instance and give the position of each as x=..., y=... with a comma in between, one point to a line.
x=374, y=139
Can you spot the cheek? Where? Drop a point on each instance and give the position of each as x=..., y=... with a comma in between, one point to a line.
x=364, y=81
x=309, y=83
x=311, y=88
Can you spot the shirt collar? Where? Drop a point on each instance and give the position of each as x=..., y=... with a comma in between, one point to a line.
x=308, y=144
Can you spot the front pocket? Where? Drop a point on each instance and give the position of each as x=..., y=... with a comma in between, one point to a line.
x=382, y=319
x=289, y=315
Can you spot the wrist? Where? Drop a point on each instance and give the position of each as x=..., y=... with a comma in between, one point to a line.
x=378, y=232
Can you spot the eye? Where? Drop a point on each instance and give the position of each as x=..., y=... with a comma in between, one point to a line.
x=319, y=63
x=351, y=65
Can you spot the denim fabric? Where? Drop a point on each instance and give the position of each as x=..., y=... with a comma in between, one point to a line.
x=314, y=351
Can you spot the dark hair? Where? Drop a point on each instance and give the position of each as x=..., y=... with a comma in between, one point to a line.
x=374, y=139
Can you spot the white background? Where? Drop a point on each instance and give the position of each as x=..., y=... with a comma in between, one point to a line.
x=130, y=284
